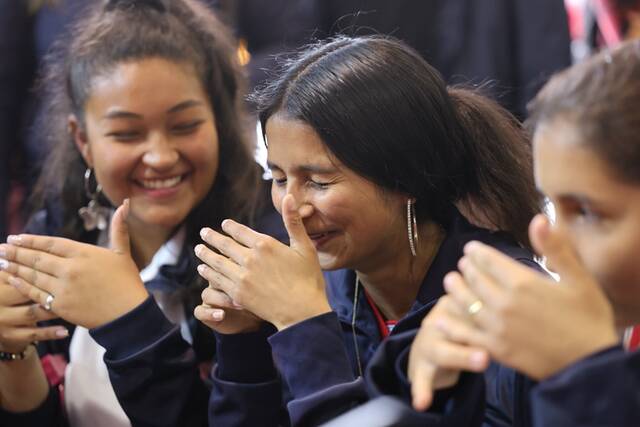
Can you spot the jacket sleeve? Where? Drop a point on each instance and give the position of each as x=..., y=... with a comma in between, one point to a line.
x=246, y=388
x=456, y=406
x=313, y=361
x=153, y=371
x=603, y=389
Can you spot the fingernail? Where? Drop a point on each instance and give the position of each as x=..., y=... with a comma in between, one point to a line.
x=3, y=251
x=202, y=269
x=4, y=264
x=14, y=240
x=470, y=247
x=204, y=233
x=13, y=281
x=462, y=264
x=198, y=249
x=236, y=305
x=224, y=223
x=62, y=333
x=217, y=314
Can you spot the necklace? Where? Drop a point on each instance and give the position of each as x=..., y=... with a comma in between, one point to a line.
x=353, y=324
x=356, y=292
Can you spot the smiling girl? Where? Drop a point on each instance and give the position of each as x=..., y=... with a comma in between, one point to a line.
x=373, y=160
x=145, y=112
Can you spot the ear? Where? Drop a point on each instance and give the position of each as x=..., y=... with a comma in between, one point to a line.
x=79, y=136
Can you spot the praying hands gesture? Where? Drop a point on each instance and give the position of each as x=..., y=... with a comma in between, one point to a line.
x=520, y=317
x=280, y=284
x=81, y=283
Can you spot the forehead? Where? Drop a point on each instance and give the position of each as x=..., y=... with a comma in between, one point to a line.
x=149, y=81
x=563, y=164
x=293, y=142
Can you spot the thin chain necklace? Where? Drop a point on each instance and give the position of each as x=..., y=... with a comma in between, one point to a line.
x=356, y=292
x=353, y=324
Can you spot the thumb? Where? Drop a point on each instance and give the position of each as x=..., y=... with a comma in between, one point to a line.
x=561, y=258
x=119, y=231
x=298, y=237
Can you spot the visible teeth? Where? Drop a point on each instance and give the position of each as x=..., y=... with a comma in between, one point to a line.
x=161, y=183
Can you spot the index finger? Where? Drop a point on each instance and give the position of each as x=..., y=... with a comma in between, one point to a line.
x=52, y=245
x=241, y=233
x=35, y=259
x=497, y=266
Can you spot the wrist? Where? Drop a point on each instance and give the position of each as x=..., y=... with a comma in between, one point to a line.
x=290, y=320
x=11, y=354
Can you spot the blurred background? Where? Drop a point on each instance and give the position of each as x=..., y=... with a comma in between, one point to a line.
x=508, y=48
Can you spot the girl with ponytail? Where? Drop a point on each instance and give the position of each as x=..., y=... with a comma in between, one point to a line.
x=381, y=174
x=144, y=112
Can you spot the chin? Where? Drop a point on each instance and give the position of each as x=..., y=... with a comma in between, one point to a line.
x=168, y=221
x=330, y=262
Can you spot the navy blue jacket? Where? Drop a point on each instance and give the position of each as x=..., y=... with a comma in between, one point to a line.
x=600, y=390
x=311, y=366
x=155, y=373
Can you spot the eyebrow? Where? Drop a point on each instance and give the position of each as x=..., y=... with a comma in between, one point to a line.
x=119, y=114
x=313, y=169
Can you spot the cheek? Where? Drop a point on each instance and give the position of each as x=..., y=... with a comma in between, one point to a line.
x=277, y=194
x=113, y=169
x=203, y=154
x=608, y=260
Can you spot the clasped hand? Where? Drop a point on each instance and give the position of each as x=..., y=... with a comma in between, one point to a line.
x=526, y=320
x=255, y=273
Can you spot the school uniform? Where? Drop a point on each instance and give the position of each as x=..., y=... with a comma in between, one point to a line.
x=600, y=390
x=313, y=367
x=150, y=366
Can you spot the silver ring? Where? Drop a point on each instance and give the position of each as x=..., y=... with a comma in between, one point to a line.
x=475, y=307
x=48, y=302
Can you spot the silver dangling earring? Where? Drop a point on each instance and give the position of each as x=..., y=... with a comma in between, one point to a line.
x=94, y=215
x=412, y=226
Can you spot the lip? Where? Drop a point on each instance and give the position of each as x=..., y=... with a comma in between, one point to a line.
x=321, y=238
x=161, y=187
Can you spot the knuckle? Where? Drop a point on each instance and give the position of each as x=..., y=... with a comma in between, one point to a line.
x=248, y=261
x=31, y=313
x=262, y=245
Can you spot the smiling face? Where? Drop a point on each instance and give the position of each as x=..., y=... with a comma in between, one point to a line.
x=351, y=223
x=597, y=211
x=150, y=135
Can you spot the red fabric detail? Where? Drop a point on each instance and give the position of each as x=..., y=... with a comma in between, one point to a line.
x=54, y=366
x=634, y=339
x=383, y=324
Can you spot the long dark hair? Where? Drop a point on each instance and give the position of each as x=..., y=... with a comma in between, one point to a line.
x=600, y=98
x=110, y=32
x=387, y=115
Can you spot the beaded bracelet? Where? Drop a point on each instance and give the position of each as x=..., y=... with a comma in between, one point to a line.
x=7, y=356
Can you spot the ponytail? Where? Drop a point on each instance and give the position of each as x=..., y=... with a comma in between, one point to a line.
x=501, y=193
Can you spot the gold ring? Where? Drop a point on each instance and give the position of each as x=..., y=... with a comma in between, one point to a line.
x=475, y=307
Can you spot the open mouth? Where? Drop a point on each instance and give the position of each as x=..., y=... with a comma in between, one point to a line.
x=160, y=184
x=320, y=238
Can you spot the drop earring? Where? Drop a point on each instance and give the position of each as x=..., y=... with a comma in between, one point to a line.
x=94, y=215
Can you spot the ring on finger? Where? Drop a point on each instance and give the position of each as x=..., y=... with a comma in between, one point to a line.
x=48, y=301
x=475, y=307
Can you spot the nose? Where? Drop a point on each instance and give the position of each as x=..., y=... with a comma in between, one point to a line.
x=160, y=154
x=305, y=205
